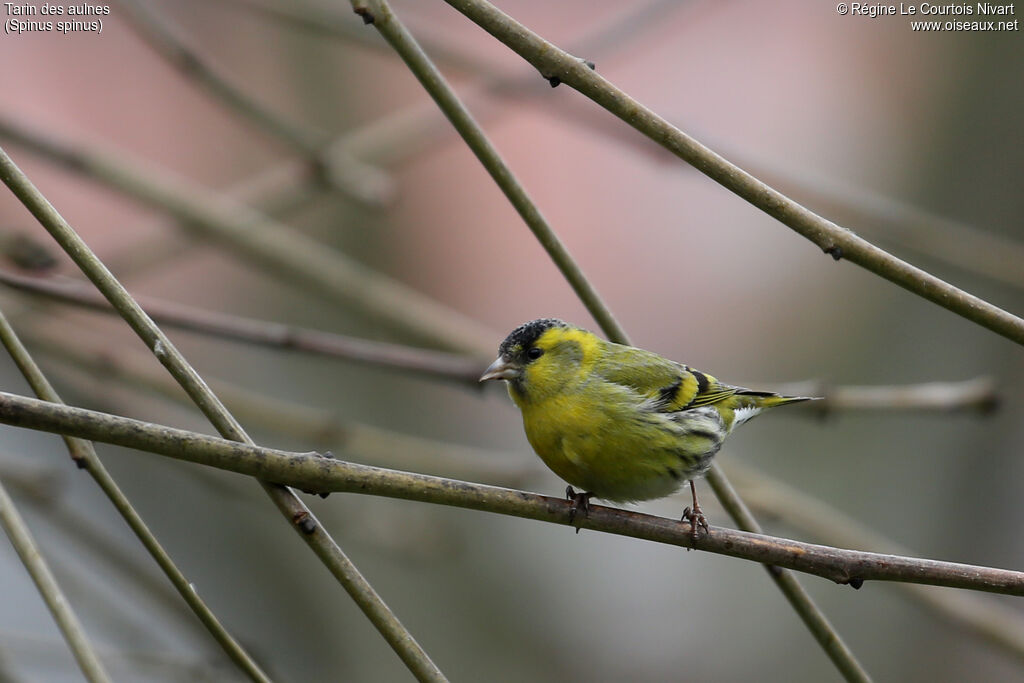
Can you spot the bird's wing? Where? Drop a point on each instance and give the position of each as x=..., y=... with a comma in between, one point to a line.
x=668, y=386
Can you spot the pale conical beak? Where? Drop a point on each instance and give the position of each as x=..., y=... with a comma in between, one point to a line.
x=500, y=369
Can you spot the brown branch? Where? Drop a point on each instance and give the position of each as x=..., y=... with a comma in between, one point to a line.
x=263, y=333
x=559, y=66
x=978, y=395
x=314, y=472
x=288, y=503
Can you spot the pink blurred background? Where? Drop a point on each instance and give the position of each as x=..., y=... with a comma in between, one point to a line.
x=788, y=88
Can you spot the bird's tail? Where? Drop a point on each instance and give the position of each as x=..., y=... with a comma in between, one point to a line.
x=749, y=404
x=769, y=400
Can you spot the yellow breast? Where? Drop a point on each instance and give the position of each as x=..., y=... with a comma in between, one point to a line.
x=604, y=445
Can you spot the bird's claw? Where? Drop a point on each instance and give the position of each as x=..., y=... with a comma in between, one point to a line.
x=580, y=502
x=695, y=516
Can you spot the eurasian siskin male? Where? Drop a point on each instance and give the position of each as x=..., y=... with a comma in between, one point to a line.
x=621, y=423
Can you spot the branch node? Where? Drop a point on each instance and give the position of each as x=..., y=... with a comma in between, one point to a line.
x=365, y=13
x=305, y=522
x=835, y=251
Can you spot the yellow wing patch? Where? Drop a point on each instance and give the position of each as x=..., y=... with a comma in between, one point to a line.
x=691, y=390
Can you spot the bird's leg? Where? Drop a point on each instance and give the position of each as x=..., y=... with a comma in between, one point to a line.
x=580, y=501
x=695, y=516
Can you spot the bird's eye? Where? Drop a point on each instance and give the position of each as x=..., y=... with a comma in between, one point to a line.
x=534, y=353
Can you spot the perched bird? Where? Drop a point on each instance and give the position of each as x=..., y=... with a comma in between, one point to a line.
x=621, y=423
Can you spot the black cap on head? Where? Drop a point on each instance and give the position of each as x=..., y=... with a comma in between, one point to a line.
x=526, y=334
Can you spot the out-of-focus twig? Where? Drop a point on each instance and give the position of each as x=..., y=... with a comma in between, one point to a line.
x=322, y=427
x=252, y=235
x=150, y=665
x=95, y=540
x=553, y=62
x=437, y=364
x=813, y=617
x=318, y=426
x=892, y=221
x=380, y=14
x=973, y=395
x=984, y=618
x=84, y=455
x=979, y=394
x=316, y=473
x=361, y=181
x=70, y=627
x=330, y=22
x=396, y=135
x=473, y=135
x=289, y=505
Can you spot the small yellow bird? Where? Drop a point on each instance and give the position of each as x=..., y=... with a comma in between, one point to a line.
x=621, y=423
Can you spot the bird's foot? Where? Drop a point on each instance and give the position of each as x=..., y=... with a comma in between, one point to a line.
x=580, y=503
x=695, y=516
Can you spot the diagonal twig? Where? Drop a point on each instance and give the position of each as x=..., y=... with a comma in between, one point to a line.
x=554, y=63
x=85, y=457
x=254, y=236
x=294, y=510
x=21, y=538
x=358, y=181
x=987, y=619
x=379, y=13
x=436, y=85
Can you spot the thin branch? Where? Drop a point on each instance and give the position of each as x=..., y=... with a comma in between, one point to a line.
x=436, y=364
x=400, y=134
x=959, y=244
x=271, y=245
x=294, y=510
x=978, y=395
x=433, y=81
x=316, y=473
x=7, y=674
x=149, y=665
x=435, y=84
x=84, y=456
x=982, y=617
x=900, y=223
x=329, y=22
x=395, y=135
x=815, y=620
x=121, y=564
x=362, y=182
x=554, y=63
x=322, y=427
x=891, y=220
x=71, y=628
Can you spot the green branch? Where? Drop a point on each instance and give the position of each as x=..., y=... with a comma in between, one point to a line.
x=316, y=473
x=554, y=63
x=990, y=620
x=272, y=246
x=293, y=509
x=39, y=570
x=446, y=99
x=379, y=13
x=437, y=364
x=84, y=455
x=359, y=181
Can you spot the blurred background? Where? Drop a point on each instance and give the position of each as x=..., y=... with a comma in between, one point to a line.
x=911, y=139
